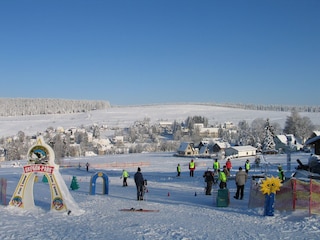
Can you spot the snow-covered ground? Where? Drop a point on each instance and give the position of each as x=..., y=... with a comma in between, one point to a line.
x=185, y=212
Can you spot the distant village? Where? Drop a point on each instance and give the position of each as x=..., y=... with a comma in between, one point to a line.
x=192, y=138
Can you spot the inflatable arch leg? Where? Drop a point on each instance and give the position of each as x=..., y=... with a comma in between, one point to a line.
x=105, y=183
x=24, y=198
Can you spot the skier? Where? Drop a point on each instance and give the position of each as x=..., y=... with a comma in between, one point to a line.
x=192, y=167
x=138, y=179
x=208, y=175
x=241, y=178
x=125, y=176
x=178, y=170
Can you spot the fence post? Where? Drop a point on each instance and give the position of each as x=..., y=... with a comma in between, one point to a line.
x=3, y=191
x=310, y=197
x=294, y=194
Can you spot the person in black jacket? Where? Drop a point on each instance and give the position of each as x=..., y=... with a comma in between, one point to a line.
x=139, y=180
x=208, y=178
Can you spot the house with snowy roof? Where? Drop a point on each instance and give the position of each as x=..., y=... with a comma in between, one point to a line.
x=314, y=141
x=187, y=149
x=287, y=141
x=241, y=151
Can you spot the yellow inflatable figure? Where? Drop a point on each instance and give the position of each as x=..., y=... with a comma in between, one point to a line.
x=270, y=185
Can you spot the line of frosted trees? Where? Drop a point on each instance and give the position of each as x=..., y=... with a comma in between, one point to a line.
x=37, y=106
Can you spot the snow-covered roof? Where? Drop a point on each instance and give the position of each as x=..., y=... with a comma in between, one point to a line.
x=223, y=144
x=183, y=146
x=282, y=138
x=312, y=140
x=209, y=130
x=244, y=148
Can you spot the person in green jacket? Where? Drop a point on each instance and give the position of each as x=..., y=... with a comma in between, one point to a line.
x=247, y=166
x=125, y=176
x=216, y=166
x=223, y=179
x=178, y=170
x=281, y=174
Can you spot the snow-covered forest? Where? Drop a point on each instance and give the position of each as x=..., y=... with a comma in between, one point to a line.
x=36, y=106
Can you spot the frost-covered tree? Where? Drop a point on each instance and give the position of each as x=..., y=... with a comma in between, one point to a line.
x=190, y=121
x=257, y=130
x=269, y=145
x=58, y=147
x=300, y=127
x=96, y=132
x=244, y=133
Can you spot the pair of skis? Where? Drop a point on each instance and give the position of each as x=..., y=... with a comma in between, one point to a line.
x=145, y=190
x=138, y=210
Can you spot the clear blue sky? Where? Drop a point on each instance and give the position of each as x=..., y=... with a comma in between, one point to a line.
x=132, y=52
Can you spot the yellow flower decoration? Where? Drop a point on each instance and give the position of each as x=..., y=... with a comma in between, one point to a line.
x=270, y=185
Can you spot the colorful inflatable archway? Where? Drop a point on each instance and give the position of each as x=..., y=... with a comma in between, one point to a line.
x=105, y=184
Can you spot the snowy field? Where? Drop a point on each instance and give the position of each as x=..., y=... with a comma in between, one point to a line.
x=185, y=212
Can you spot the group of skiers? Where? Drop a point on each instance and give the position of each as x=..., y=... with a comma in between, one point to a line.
x=241, y=177
x=224, y=174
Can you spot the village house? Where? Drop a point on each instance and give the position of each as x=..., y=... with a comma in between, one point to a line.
x=241, y=151
x=209, y=132
x=204, y=151
x=288, y=141
x=218, y=148
x=187, y=149
x=314, y=141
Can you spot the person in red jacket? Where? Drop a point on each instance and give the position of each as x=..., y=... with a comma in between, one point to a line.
x=228, y=165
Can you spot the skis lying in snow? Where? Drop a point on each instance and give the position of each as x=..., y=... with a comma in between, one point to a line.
x=138, y=210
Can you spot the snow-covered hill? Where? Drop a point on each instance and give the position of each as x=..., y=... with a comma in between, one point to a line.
x=126, y=116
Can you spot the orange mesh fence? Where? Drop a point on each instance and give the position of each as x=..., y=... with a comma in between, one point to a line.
x=294, y=194
x=301, y=193
x=256, y=198
x=315, y=197
x=110, y=165
x=284, y=198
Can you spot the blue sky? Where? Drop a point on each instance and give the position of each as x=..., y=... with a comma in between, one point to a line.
x=133, y=52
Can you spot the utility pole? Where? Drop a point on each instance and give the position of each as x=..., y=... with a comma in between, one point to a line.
x=288, y=155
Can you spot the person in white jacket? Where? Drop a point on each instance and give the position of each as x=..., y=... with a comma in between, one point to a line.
x=241, y=178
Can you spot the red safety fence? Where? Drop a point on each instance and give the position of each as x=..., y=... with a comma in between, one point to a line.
x=110, y=165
